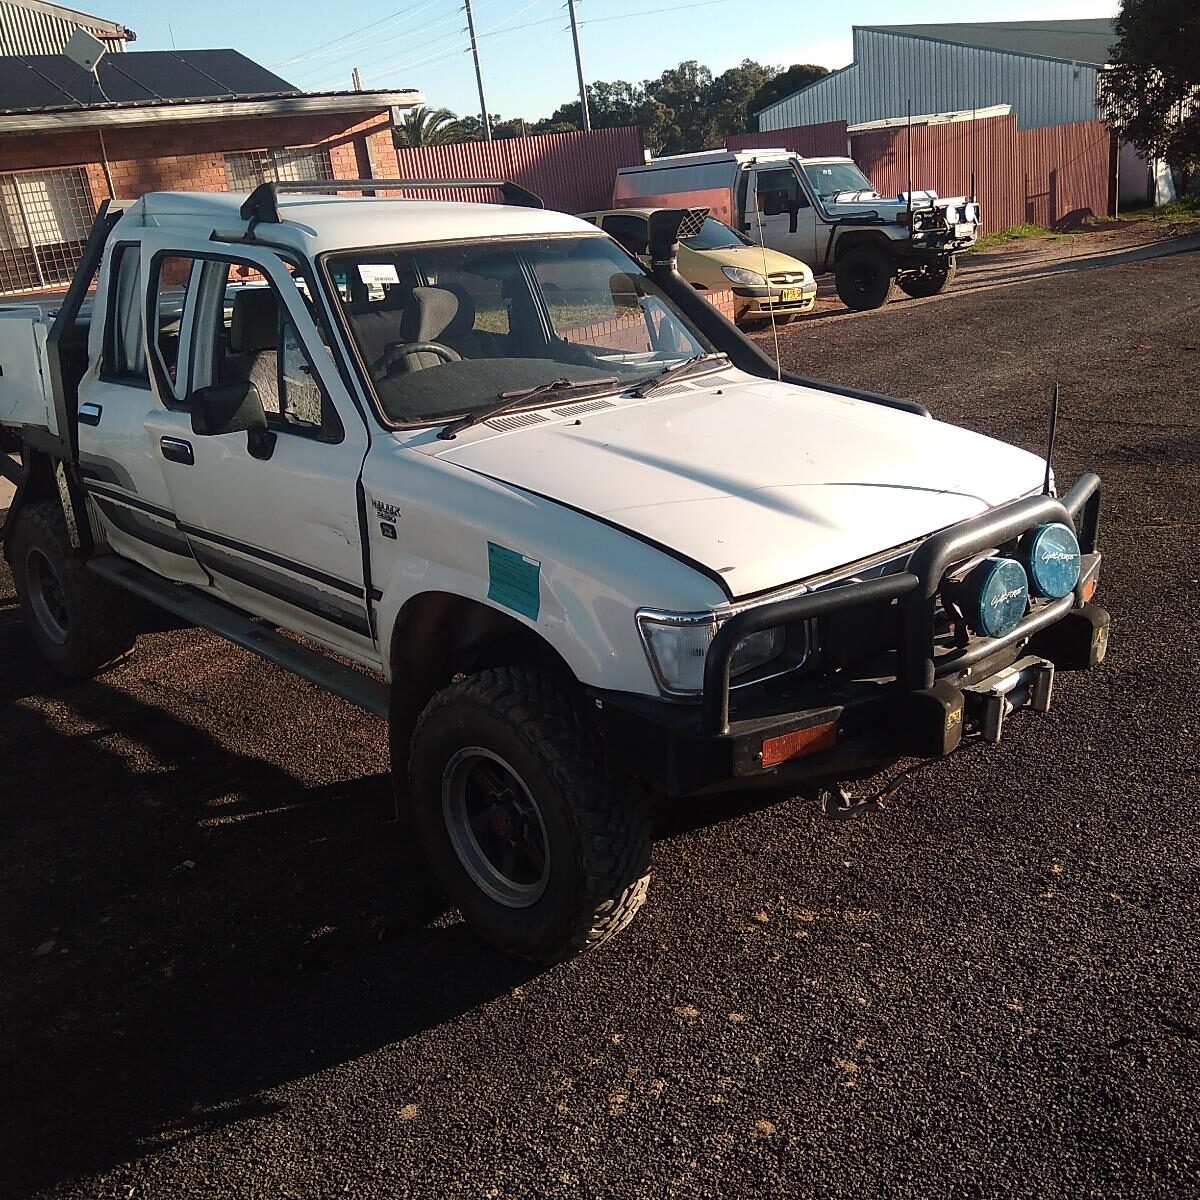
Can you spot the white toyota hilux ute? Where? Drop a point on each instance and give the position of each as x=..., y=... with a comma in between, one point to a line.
x=545, y=510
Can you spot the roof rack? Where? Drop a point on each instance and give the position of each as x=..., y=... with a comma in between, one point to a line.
x=262, y=203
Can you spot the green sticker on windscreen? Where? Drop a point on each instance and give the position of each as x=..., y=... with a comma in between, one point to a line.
x=514, y=580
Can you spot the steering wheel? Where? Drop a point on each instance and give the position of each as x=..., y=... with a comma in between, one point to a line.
x=397, y=350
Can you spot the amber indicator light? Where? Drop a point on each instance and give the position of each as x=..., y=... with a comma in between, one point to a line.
x=801, y=741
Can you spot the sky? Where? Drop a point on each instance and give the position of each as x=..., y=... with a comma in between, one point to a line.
x=525, y=45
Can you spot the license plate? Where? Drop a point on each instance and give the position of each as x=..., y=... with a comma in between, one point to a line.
x=791, y=295
x=964, y=230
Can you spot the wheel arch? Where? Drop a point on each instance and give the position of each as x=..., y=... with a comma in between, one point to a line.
x=438, y=635
x=39, y=483
x=861, y=237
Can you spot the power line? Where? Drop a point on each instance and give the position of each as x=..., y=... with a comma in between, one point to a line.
x=649, y=12
x=396, y=63
x=319, y=50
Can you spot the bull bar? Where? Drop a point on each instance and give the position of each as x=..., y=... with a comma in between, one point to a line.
x=915, y=588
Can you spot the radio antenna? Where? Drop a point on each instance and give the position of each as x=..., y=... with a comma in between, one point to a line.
x=762, y=245
x=909, y=119
x=1050, y=440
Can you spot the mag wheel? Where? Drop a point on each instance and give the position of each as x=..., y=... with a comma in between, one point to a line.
x=539, y=843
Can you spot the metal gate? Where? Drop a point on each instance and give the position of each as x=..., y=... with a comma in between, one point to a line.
x=45, y=218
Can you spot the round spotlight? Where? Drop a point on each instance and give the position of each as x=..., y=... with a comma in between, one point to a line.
x=994, y=596
x=1051, y=555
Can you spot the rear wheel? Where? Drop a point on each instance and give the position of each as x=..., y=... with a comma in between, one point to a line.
x=79, y=623
x=540, y=844
x=931, y=279
x=866, y=277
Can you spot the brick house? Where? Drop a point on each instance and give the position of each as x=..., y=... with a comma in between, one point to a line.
x=161, y=120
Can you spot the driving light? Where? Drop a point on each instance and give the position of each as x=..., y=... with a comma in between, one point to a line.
x=1051, y=556
x=993, y=596
x=744, y=277
x=678, y=645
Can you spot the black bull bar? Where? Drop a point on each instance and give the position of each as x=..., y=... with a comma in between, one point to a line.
x=916, y=589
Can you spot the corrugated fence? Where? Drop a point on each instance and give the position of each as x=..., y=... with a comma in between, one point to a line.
x=1052, y=176
x=572, y=172
x=812, y=141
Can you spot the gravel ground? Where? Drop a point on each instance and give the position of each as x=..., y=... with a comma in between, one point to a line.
x=225, y=971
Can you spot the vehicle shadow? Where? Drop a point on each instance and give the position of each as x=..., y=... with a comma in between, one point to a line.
x=186, y=926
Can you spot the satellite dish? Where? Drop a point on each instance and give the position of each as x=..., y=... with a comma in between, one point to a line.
x=84, y=50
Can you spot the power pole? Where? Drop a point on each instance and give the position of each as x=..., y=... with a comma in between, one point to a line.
x=487, y=124
x=356, y=79
x=583, y=103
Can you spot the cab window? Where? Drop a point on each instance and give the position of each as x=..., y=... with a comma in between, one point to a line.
x=124, y=350
x=778, y=191
x=241, y=333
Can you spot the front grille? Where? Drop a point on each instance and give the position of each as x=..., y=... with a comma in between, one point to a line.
x=787, y=279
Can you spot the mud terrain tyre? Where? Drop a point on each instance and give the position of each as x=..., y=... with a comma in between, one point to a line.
x=866, y=277
x=543, y=847
x=933, y=278
x=80, y=624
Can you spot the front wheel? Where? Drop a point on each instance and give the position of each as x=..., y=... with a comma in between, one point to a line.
x=866, y=277
x=79, y=623
x=931, y=279
x=541, y=845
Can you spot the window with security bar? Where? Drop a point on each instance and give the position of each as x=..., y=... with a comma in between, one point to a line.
x=45, y=219
x=245, y=170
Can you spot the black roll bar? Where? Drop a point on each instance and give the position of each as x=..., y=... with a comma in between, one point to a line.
x=262, y=205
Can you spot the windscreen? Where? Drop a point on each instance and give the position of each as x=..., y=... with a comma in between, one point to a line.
x=445, y=330
x=831, y=180
x=714, y=235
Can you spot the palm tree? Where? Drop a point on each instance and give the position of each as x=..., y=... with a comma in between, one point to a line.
x=423, y=126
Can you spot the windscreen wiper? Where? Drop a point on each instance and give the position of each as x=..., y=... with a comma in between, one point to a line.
x=512, y=398
x=681, y=368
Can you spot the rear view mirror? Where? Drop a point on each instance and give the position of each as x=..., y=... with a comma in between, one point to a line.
x=232, y=408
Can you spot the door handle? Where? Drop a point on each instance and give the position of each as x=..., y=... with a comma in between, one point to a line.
x=89, y=414
x=177, y=450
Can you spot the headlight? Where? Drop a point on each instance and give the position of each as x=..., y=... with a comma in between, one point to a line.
x=993, y=596
x=744, y=277
x=678, y=645
x=1051, y=555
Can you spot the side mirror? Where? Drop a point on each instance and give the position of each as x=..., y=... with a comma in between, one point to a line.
x=233, y=408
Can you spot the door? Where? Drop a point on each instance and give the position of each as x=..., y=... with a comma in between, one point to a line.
x=781, y=216
x=273, y=521
x=119, y=460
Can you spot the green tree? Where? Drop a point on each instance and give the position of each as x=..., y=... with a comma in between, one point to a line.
x=422, y=126
x=684, y=91
x=731, y=93
x=785, y=83
x=1151, y=90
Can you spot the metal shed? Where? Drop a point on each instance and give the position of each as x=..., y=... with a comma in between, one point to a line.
x=1048, y=71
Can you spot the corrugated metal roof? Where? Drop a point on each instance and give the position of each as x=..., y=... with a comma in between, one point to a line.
x=39, y=82
x=33, y=27
x=1084, y=41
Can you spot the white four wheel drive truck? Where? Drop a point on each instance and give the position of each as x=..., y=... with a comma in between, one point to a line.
x=546, y=511
x=823, y=211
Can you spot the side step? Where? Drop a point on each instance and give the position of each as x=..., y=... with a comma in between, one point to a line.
x=367, y=691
